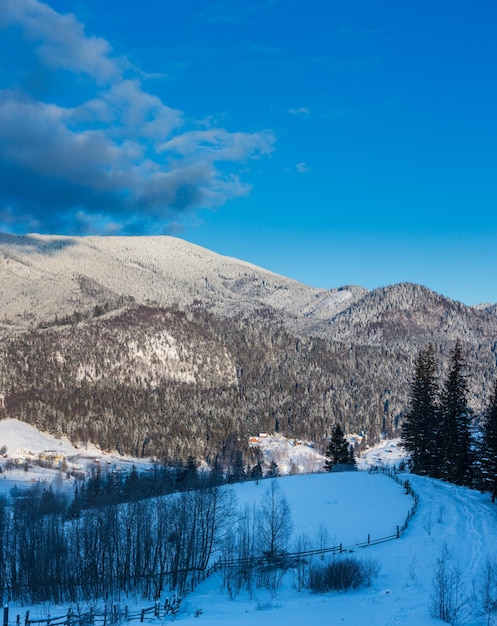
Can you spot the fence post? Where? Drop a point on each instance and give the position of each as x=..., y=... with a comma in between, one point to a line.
x=398, y=532
x=26, y=619
x=5, y=616
x=369, y=539
x=142, y=617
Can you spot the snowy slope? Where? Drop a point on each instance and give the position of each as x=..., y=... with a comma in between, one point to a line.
x=21, y=440
x=43, y=275
x=455, y=520
x=24, y=444
x=346, y=507
x=461, y=521
x=294, y=456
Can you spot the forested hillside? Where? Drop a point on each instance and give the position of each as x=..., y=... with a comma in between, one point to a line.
x=154, y=347
x=159, y=382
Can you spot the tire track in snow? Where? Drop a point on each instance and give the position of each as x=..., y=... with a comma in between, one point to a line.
x=467, y=528
x=469, y=523
x=471, y=527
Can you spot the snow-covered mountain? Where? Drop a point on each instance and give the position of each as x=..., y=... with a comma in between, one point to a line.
x=152, y=345
x=43, y=276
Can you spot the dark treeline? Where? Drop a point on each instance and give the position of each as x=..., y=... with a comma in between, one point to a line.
x=103, y=487
x=139, y=548
x=54, y=549
x=443, y=436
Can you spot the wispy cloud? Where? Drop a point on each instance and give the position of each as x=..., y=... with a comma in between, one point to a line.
x=302, y=168
x=112, y=156
x=228, y=12
x=323, y=111
x=220, y=13
x=299, y=111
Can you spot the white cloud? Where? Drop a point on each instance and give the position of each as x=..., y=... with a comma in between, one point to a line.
x=299, y=111
x=116, y=151
x=302, y=168
x=60, y=40
x=219, y=145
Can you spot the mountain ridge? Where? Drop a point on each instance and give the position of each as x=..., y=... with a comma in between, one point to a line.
x=152, y=344
x=160, y=269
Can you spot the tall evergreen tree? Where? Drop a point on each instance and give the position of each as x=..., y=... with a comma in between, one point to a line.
x=352, y=461
x=338, y=451
x=419, y=431
x=237, y=472
x=273, y=471
x=256, y=471
x=488, y=449
x=455, y=421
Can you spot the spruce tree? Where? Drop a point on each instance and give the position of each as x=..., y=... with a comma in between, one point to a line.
x=488, y=448
x=256, y=471
x=455, y=422
x=237, y=472
x=419, y=430
x=351, y=461
x=338, y=451
x=273, y=471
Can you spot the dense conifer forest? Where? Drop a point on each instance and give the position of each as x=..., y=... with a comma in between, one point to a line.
x=169, y=384
x=232, y=379
x=443, y=436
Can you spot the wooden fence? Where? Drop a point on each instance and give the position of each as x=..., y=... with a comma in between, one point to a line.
x=287, y=558
x=114, y=614
x=109, y=616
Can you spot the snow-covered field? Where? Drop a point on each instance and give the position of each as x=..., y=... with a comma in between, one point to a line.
x=450, y=520
x=25, y=443
x=461, y=522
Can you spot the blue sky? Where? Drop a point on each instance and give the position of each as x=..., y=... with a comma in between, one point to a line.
x=341, y=142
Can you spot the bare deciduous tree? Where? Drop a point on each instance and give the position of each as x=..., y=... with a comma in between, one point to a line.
x=448, y=598
x=275, y=522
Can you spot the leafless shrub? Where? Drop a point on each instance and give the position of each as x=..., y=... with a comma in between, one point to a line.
x=370, y=568
x=448, y=599
x=322, y=539
x=412, y=568
x=266, y=606
x=427, y=522
x=485, y=590
x=301, y=564
x=340, y=574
